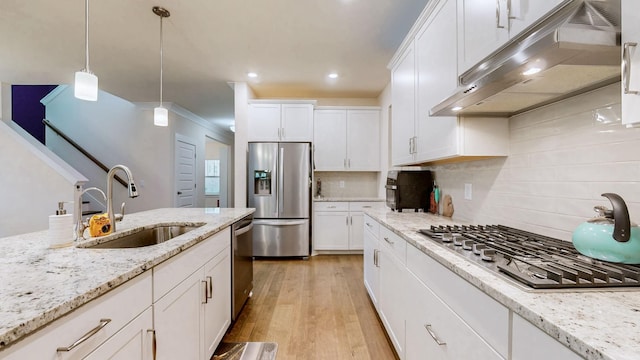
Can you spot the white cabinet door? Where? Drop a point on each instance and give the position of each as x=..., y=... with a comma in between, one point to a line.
x=479, y=32
x=177, y=318
x=264, y=122
x=631, y=72
x=524, y=13
x=356, y=231
x=371, y=270
x=437, y=79
x=393, y=294
x=403, y=108
x=331, y=230
x=529, y=343
x=363, y=140
x=133, y=342
x=330, y=140
x=217, y=309
x=296, y=122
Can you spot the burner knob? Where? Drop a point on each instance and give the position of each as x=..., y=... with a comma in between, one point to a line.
x=457, y=240
x=477, y=247
x=447, y=237
x=467, y=244
x=487, y=254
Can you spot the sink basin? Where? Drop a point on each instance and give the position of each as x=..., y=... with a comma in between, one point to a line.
x=144, y=237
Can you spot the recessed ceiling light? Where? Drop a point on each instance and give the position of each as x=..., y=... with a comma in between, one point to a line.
x=333, y=76
x=456, y=108
x=252, y=75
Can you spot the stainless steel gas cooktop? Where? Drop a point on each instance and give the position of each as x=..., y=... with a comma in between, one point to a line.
x=537, y=261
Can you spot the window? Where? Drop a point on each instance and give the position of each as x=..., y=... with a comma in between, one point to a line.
x=212, y=177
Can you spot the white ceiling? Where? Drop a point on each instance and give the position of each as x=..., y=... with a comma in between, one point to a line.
x=291, y=44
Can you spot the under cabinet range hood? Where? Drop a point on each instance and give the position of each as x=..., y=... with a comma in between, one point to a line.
x=574, y=50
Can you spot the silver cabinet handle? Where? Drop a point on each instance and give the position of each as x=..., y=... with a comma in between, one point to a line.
x=433, y=335
x=85, y=337
x=626, y=68
x=283, y=135
x=206, y=292
x=389, y=241
x=210, y=280
x=154, y=344
x=347, y=220
x=331, y=207
x=375, y=257
x=349, y=163
x=498, y=15
x=366, y=207
x=344, y=163
x=369, y=225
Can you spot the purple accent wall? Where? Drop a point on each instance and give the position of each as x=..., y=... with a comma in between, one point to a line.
x=26, y=109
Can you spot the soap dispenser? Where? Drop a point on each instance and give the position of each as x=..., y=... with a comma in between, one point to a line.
x=60, y=227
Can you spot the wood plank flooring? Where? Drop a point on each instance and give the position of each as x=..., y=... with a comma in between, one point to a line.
x=314, y=309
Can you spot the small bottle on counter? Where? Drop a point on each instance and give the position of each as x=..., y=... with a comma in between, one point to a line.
x=60, y=228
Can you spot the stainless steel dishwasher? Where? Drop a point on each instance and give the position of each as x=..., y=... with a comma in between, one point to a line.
x=241, y=264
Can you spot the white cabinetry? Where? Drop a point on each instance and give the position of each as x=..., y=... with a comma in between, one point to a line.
x=280, y=122
x=531, y=343
x=631, y=61
x=392, y=296
x=192, y=300
x=446, y=309
x=424, y=74
x=370, y=258
x=347, y=139
x=486, y=25
x=338, y=225
x=115, y=325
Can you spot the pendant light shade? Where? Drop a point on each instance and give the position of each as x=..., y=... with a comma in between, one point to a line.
x=160, y=114
x=86, y=83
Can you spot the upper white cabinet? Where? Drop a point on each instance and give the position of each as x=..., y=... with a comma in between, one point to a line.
x=424, y=74
x=280, y=122
x=486, y=25
x=630, y=61
x=347, y=139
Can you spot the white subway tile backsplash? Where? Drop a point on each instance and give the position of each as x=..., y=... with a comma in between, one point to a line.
x=562, y=158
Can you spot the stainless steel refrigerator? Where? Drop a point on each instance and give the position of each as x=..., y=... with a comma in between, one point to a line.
x=279, y=187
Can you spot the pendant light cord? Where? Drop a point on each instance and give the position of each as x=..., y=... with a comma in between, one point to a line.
x=161, y=62
x=86, y=35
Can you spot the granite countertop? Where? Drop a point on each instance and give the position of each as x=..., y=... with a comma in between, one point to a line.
x=319, y=199
x=40, y=284
x=596, y=324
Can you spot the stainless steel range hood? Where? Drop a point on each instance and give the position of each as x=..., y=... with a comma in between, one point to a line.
x=577, y=49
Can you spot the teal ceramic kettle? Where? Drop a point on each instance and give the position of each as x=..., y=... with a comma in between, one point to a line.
x=610, y=236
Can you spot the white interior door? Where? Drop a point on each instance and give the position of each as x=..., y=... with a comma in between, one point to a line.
x=185, y=153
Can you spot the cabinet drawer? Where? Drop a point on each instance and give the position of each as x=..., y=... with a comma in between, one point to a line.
x=120, y=306
x=394, y=242
x=365, y=205
x=372, y=226
x=529, y=342
x=435, y=331
x=331, y=206
x=485, y=316
x=171, y=272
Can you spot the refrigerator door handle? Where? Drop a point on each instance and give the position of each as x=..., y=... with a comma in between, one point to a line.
x=280, y=222
x=280, y=181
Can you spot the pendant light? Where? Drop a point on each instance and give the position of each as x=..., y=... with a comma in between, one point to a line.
x=160, y=114
x=86, y=83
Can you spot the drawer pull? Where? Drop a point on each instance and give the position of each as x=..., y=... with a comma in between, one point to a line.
x=369, y=225
x=210, y=281
x=85, y=337
x=206, y=292
x=433, y=335
x=626, y=68
x=389, y=241
x=154, y=344
x=366, y=207
x=331, y=207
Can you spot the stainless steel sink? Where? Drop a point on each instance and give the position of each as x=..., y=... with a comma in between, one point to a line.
x=143, y=237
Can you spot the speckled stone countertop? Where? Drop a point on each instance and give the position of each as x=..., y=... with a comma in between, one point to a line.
x=596, y=324
x=347, y=199
x=39, y=284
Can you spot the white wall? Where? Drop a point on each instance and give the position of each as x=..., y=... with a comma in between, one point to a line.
x=385, y=138
x=119, y=132
x=242, y=95
x=32, y=183
x=561, y=160
x=5, y=102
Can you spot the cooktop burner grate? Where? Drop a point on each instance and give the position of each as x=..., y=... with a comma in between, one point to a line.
x=541, y=262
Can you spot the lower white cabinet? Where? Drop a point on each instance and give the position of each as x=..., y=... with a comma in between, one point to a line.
x=531, y=343
x=115, y=325
x=338, y=225
x=370, y=259
x=392, y=292
x=192, y=316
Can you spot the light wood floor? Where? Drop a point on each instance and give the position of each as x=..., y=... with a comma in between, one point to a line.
x=314, y=309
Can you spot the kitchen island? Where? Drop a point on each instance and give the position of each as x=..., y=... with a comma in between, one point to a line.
x=41, y=284
x=594, y=324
